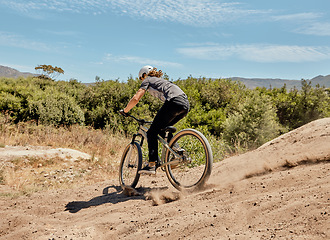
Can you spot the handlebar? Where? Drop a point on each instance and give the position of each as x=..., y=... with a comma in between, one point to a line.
x=140, y=121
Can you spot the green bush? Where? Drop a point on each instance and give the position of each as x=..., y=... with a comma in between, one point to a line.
x=9, y=102
x=102, y=101
x=296, y=108
x=210, y=100
x=253, y=123
x=54, y=108
x=222, y=109
x=44, y=101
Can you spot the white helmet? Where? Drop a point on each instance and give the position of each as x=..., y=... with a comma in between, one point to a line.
x=146, y=69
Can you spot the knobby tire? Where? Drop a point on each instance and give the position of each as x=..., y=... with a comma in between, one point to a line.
x=131, y=163
x=192, y=174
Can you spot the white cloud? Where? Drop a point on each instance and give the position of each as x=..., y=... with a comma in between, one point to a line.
x=297, y=16
x=14, y=40
x=140, y=60
x=192, y=12
x=76, y=6
x=316, y=28
x=60, y=33
x=309, y=23
x=259, y=53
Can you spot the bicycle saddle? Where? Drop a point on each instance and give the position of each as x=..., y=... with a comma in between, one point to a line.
x=170, y=129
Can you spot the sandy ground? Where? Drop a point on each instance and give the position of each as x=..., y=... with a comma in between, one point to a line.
x=279, y=191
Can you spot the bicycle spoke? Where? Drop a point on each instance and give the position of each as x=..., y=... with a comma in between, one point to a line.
x=195, y=165
x=130, y=165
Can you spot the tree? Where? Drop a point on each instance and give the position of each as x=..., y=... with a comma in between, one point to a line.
x=48, y=71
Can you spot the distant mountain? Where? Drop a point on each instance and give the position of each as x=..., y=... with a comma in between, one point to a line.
x=268, y=82
x=12, y=73
x=322, y=80
x=248, y=82
x=278, y=83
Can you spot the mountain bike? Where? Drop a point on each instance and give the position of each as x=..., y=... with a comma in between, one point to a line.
x=187, y=158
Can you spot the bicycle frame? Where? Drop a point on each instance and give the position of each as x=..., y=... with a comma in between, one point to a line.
x=142, y=132
x=187, y=149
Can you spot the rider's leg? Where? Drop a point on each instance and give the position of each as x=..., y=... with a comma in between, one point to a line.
x=180, y=106
x=169, y=113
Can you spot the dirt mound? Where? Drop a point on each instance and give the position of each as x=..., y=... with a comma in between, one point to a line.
x=12, y=152
x=307, y=144
x=279, y=191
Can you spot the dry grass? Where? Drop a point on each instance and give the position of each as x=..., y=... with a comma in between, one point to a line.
x=30, y=174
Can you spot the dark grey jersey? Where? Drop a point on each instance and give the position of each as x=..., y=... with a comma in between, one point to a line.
x=161, y=88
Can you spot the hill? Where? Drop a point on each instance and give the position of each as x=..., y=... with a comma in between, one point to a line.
x=278, y=83
x=12, y=73
x=278, y=191
x=322, y=80
x=248, y=82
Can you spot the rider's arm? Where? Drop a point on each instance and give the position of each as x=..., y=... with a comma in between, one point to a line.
x=134, y=100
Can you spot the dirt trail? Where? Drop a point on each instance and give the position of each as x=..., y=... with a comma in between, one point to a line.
x=279, y=191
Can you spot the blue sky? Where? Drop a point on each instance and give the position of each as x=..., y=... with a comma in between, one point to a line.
x=113, y=39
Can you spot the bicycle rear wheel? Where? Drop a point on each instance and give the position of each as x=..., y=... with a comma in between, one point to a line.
x=195, y=168
x=130, y=165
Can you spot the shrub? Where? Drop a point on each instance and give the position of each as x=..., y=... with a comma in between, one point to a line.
x=253, y=123
x=54, y=108
x=296, y=108
x=44, y=101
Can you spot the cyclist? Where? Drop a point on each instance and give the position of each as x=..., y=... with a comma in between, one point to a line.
x=175, y=107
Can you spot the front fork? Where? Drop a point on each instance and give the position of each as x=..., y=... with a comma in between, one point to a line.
x=138, y=135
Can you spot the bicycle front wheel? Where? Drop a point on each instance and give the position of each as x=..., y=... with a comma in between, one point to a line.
x=130, y=165
x=195, y=167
